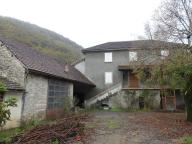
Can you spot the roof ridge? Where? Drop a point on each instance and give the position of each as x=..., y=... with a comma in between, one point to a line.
x=124, y=45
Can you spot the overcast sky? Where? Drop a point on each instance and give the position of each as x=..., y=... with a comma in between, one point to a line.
x=87, y=22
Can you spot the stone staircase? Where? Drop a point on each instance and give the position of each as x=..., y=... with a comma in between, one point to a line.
x=104, y=95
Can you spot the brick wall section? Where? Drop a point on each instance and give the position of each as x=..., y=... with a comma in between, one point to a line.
x=36, y=97
x=10, y=66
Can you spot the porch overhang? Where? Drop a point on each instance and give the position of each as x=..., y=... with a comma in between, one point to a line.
x=124, y=67
x=131, y=67
x=130, y=88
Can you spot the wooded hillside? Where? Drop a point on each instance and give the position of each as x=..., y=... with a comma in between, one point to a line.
x=43, y=40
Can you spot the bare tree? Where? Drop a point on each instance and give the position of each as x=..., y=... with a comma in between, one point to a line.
x=148, y=31
x=173, y=21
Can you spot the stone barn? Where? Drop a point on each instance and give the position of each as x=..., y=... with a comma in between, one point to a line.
x=42, y=83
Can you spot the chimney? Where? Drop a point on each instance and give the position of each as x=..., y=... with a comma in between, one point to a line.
x=66, y=68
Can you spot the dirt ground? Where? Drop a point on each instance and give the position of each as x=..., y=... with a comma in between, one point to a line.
x=138, y=128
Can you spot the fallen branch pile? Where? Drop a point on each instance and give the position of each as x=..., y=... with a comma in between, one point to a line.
x=64, y=131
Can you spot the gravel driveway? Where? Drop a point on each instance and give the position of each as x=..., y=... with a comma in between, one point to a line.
x=120, y=128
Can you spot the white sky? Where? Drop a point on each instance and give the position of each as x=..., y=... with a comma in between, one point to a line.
x=87, y=22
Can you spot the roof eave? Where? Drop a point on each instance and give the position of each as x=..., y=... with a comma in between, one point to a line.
x=58, y=77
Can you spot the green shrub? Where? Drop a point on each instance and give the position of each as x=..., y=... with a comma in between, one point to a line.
x=5, y=110
x=187, y=140
x=68, y=104
x=2, y=88
x=149, y=99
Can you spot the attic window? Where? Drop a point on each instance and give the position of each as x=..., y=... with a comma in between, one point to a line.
x=132, y=56
x=164, y=54
x=108, y=57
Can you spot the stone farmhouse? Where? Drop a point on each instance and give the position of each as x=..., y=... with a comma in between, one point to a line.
x=39, y=82
x=104, y=77
x=110, y=67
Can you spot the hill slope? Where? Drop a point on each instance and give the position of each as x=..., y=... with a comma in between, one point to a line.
x=43, y=40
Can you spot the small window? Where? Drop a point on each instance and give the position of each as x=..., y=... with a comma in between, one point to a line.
x=164, y=53
x=108, y=57
x=132, y=56
x=108, y=77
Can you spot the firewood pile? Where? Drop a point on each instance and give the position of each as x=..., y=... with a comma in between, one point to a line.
x=65, y=131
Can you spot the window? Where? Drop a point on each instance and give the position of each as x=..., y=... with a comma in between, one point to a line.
x=108, y=57
x=164, y=53
x=57, y=91
x=132, y=56
x=108, y=77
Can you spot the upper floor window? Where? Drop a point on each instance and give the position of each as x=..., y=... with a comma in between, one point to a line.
x=132, y=56
x=108, y=57
x=164, y=53
x=108, y=77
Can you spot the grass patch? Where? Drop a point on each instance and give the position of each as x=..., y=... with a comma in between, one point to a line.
x=129, y=110
x=117, y=109
x=6, y=135
x=187, y=140
x=112, y=124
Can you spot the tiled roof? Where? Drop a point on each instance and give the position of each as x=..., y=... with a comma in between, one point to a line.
x=40, y=63
x=125, y=45
x=10, y=84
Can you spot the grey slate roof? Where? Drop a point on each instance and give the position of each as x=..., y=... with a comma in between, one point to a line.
x=37, y=62
x=125, y=45
x=10, y=84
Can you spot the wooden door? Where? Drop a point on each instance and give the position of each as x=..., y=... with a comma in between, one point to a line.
x=133, y=81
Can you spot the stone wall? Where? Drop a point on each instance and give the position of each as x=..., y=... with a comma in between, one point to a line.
x=10, y=66
x=130, y=99
x=35, y=100
x=71, y=90
x=36, y=97
x=15, y=111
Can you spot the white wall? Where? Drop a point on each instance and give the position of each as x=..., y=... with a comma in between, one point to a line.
x=81, y=66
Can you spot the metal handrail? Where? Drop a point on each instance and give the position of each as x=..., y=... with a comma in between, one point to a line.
x=105, y=91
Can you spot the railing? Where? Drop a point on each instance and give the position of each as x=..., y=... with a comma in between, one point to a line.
x=104, y=94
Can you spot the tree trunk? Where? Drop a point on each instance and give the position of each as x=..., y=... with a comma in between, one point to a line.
x=188, y=102
x=188, y=98
x=189, y=112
